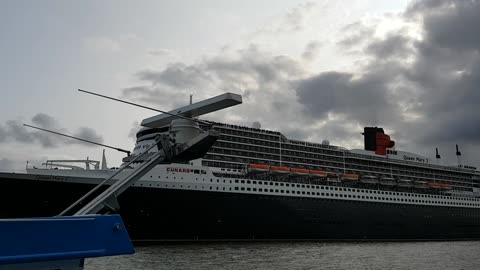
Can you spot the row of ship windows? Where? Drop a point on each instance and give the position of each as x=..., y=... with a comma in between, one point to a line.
x=264, y=135
x=260, y=133
x=275, y=144
x=323, y=194
x=379, y=192
x=354, y=196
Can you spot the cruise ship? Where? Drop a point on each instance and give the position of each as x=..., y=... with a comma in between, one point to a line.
x=248, y=183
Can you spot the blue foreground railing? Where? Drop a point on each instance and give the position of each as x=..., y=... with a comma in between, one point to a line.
x=60, y=242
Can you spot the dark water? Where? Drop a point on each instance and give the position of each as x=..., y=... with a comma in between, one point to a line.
x=299, y=255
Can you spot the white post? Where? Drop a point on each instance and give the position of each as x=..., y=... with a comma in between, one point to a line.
x=280, y=147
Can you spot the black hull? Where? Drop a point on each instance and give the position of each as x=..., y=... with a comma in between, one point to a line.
x=169, y=214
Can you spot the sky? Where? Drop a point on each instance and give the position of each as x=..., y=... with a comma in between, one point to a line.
x=312, y=70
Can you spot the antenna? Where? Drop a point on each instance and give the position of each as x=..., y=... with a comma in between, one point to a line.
x=459, y=156
x=145, y=107
x=437, y=156
x=76, y=138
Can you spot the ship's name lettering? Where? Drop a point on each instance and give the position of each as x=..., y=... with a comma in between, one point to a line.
x=417, y=159
x=178, y=170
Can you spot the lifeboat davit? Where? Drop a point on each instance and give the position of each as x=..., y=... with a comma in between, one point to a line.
x=298, y=171
x=420, y=184
x=388, y=181
x=369, y=179
x=258, y=168
x=439, y=185
x=405, y=183
x=318, y=173
x=334, y=180
x=278, y=169
x=349, y=177
x=333, y=177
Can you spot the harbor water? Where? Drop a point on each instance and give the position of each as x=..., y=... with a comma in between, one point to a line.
x=298, y=255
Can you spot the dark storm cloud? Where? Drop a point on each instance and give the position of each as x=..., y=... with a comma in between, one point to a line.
x=45, y=121
x=14, y=131
x=340, y=93
x=392, y=46
x=437, y=77
x=449, y=24
x=425, y=91
x=448, y=68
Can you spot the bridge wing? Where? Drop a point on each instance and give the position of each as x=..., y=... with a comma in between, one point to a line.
x=196, y=109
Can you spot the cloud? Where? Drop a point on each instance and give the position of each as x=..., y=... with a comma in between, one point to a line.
x=294, y=20
x=418, y=81
x=311, y=50
x=102, y=44
x=177, y=75
x=3, y=134
x=160, y=52
x=340, y=93
x=392, y=46
x=45, y=121
x=248, y=70
x=132, y=134
x=18, y=132
x=6, y=164
x=356, y=34
x=14, y=131
x=88, y=134
x=434, y=92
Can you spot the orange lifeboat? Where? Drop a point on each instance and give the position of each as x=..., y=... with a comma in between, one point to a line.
x=299, y=171
x=278, y=169
x=258, y=168
x=318, y=173
x=332, y=175
x=439, y=185
x=349, y=177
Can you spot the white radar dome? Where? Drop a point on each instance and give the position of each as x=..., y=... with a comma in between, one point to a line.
x=256, y=125
x=326, y=142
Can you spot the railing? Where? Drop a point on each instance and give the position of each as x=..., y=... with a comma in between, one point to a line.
x=345, y=152
x=237, y=127
x=410, y=163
